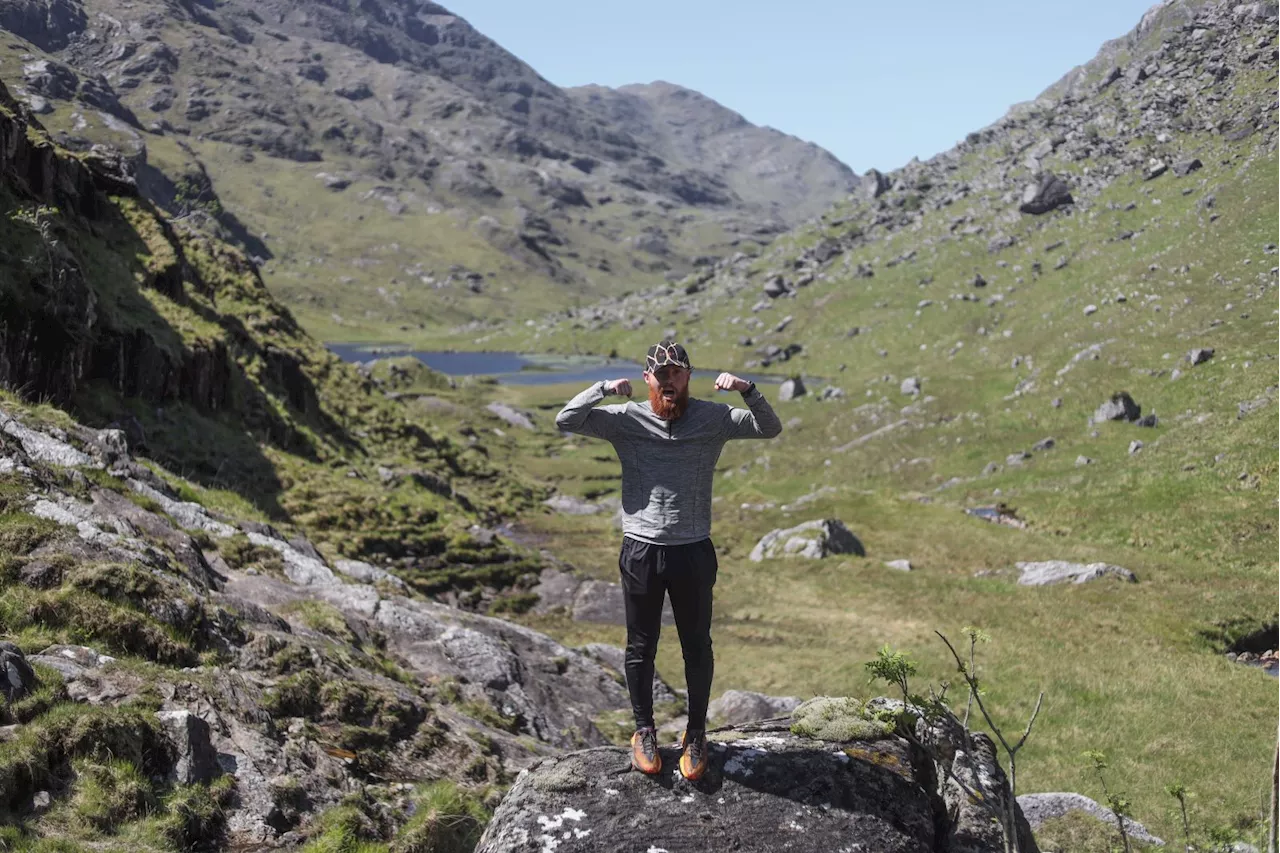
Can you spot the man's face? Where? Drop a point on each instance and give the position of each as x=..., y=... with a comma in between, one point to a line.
x=669, y=382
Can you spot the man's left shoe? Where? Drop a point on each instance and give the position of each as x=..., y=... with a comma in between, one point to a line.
x=693, y=758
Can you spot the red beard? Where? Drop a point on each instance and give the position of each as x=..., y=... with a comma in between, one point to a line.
x=668, y=410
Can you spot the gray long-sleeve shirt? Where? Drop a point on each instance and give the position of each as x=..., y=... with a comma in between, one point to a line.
x=667, y=466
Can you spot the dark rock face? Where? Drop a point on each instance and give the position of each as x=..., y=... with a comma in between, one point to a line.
x=48, y=24
x=16, y=676
x=1049, y=193
x=767, y=789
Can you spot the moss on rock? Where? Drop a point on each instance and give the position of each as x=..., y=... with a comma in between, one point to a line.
x=840, y=719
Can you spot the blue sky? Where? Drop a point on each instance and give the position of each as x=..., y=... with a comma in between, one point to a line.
x=875, y=83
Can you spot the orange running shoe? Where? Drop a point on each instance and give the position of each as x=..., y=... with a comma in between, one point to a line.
x=644, y=751
x=693, y=760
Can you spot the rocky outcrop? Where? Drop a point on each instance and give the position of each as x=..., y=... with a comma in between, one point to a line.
x=1047, y=572
x=813, y=539
x=830, y=777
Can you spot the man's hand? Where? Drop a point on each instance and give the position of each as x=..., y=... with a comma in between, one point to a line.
x=621, y=387
x=729, y=382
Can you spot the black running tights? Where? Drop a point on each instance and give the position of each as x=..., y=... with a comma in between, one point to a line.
x=687, y=573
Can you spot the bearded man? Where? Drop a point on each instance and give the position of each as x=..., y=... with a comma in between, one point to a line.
x=668, y=448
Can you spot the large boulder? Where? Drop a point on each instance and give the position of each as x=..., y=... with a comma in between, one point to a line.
x=830, y=777
x=791, y=389
x=1046, y=194
x=745, y=706
x=1121, y=407
x=813, y=539
x=1039, y=808
x=1046, y=572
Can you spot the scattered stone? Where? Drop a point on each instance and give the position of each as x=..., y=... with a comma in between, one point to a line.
x=570, y=505
x=910, y=386
x=1043, y=444
x=336, y=183
x=1018, y=458
x=900, y=565
x=998, y=514
x=1060, y=571
x=1049, y=193
x=776, y=286
x=1121, y=407
x=41, y=801
x=813, y=540
x=1200, y=355
x=1135, y=446
x=17, y=678
x=511, y=415
x=1083, y=460
x=1090, y=309
x=1155, y=168
x=791, y=389
x=1147, y=421
x=195, y=759
x=978, y=280
x=1185, y=167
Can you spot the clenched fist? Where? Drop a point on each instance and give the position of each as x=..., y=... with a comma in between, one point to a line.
x=729, y=382
x=621, y=387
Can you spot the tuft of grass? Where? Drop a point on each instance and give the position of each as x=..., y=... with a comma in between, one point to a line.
x=447, y=819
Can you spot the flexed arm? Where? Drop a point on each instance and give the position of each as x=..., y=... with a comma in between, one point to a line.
x=757, y=421
x=582, y=417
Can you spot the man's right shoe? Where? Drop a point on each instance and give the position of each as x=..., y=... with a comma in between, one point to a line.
x=644, y=751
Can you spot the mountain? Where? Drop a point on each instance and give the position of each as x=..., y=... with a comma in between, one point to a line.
x=785, y=177
x=391, y=167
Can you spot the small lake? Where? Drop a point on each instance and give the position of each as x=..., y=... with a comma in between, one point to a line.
x=514, y=368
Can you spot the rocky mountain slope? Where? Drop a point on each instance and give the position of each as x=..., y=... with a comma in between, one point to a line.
x=1054, y=344
x=212, y=658
x=395, y=168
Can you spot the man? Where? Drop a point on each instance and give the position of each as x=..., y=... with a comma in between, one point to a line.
x=668, y=448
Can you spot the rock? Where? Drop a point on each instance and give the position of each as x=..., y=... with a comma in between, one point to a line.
x=195, y=759
x=791, y=389
x=42, y=447
x=17, y=678
x=873, y=184
x=1049, y=193
x=41, y=801
x=357, y=92
x=1083, y=460
x=826, y=779
x=1043, y=445
x=776, y=286
x=1200, y=355
x=39, y=574
x=1185, y=167
x=1135, y=446
x=1121, y=407
x=744, y=706
x=978, y=280
x=1017, y=458
x=337, y=183
x=569, y=505
x=513, y=416
x=900, y=565
x=1038, y=808
x=1090, y=309
x=40, y=106
x=1147, y=421
x=112, y=445
x=1049, y=572
x=910, y=385
x=366, y=573
x=616, y=659
x=50, y=79
x=1155, y=168
x=813, y=540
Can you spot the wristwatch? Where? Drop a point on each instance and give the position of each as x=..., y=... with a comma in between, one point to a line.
x=750, y=390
